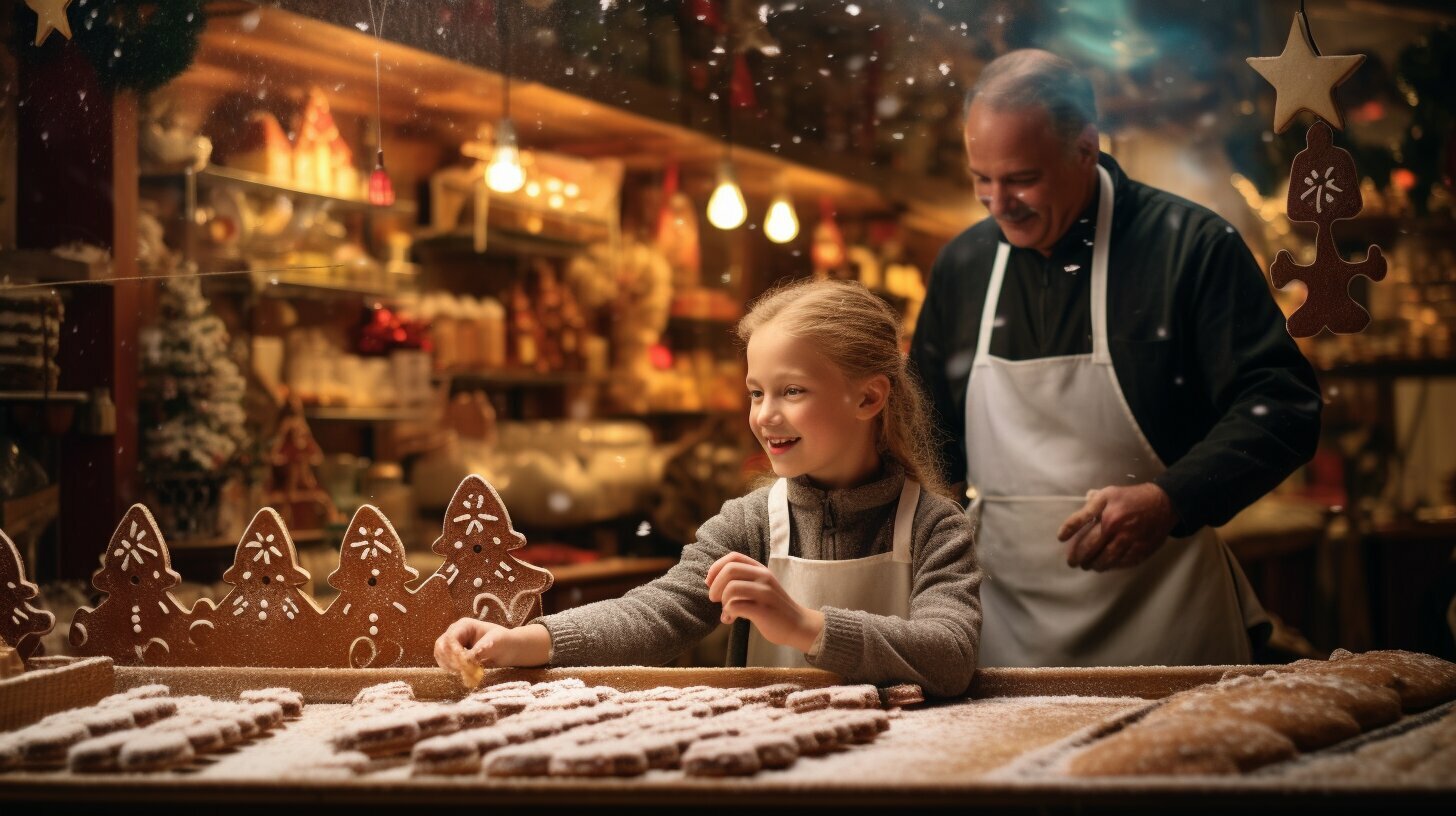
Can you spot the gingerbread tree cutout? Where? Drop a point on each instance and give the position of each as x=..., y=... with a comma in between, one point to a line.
x=267, y=619
x=138, y=621
x=483, y=579
x=1324, y=187
x=376, y=621
x=21, y=625
x=292, y=486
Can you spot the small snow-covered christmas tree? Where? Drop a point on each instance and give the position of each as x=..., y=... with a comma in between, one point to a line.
x=193, y=389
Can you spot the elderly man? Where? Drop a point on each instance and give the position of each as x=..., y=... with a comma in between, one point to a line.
x=1114, y=378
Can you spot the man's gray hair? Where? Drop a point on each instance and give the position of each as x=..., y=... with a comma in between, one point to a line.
x=1032, y=78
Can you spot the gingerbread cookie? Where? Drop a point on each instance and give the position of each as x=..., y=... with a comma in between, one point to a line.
x=1183, y=746
x=452, y=755
x=45, y=745
x=138, y=621
x=905, y=694
x=155, y=751
x=98, y=754
x=376, y=621
x=599, y=759
x=480, y=576
x=266, y=619
x=529, y=759
x=724, y=756
x=1308, y=721
x=379, y=736
x=1423, y=681
x=21, y=625
x=287, y=699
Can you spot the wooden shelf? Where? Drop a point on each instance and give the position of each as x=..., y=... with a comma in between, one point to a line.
x=226, y=542
x=498, y=243
x=576, y=114
x=328, y=414
x=282, y=286
x=522, y=379
x=220, y=176
x=44, y=396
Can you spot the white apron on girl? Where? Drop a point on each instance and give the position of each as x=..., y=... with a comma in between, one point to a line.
x=878, y=584
x=1040, y=434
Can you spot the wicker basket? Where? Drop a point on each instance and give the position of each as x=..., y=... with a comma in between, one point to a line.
x=54, y=687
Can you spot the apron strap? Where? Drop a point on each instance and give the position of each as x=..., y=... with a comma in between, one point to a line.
x=905, y=520
x=1102, y=240
x=993, y=298
x=778, y=519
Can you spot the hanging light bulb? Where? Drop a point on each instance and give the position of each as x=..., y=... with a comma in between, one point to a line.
x=781, y=224
x=726, y=207
x=381, y=189
x=504, y=174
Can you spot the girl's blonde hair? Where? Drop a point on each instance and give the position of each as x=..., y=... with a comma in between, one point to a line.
x=862, y=335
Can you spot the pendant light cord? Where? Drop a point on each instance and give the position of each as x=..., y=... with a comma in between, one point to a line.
x=503, y=30
x=378, y=23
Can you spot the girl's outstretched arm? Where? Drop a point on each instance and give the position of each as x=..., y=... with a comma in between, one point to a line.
x=653, y=624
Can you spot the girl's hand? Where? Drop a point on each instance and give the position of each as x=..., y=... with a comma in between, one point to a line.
x=478, y=642
x=748, y=590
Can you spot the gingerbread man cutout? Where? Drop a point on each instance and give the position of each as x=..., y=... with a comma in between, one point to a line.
x=267, y=619
x=376, y=621
x=21, y=625
x=138, y=622
x=481, y=577
x=1324, y=187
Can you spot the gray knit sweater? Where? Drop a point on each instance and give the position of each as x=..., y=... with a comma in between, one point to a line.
x=936, y=647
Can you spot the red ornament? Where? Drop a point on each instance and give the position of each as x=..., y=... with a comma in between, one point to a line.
x=381, y=189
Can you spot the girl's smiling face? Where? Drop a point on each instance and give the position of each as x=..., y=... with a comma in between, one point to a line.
x=807, y=415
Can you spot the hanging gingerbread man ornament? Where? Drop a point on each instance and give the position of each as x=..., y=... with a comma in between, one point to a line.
x=138, y=622
x=481, y=576
x=1324, y=188
x=21, y=625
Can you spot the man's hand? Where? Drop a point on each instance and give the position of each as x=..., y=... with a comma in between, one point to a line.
x=1118, y=527
x=747, y=589
x=486, y=644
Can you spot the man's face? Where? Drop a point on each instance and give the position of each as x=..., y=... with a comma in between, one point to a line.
x=1034, y=185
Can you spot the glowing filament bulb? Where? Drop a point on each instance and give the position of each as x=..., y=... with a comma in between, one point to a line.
x=781, y=225
x=504, y=174
x=726, y=207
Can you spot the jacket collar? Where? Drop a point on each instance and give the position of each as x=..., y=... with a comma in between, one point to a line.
x=872, y=495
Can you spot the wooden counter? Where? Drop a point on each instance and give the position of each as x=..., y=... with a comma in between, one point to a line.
x=952, y=753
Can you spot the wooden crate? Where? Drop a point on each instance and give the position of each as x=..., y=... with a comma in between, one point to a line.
x=54, y=686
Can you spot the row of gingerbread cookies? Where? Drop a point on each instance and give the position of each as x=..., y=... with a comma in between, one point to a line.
x=1244, y=723
x=564, y=728
x=268, y=620
x=145, y=729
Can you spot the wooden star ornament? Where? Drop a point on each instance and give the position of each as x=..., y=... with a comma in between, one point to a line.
x=50, y=15
x=1303, y=80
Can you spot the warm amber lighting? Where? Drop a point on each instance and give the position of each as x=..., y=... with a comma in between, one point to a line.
x=726, y=208
x=504, y=174
x=781, y=225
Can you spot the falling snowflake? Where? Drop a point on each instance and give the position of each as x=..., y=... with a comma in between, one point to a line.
x=128, y=551
x=1320, y=187
x=264, y=546
x=372, y=544
x=477, y=522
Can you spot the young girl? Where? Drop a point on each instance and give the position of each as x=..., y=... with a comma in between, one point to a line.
x=852, y=561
